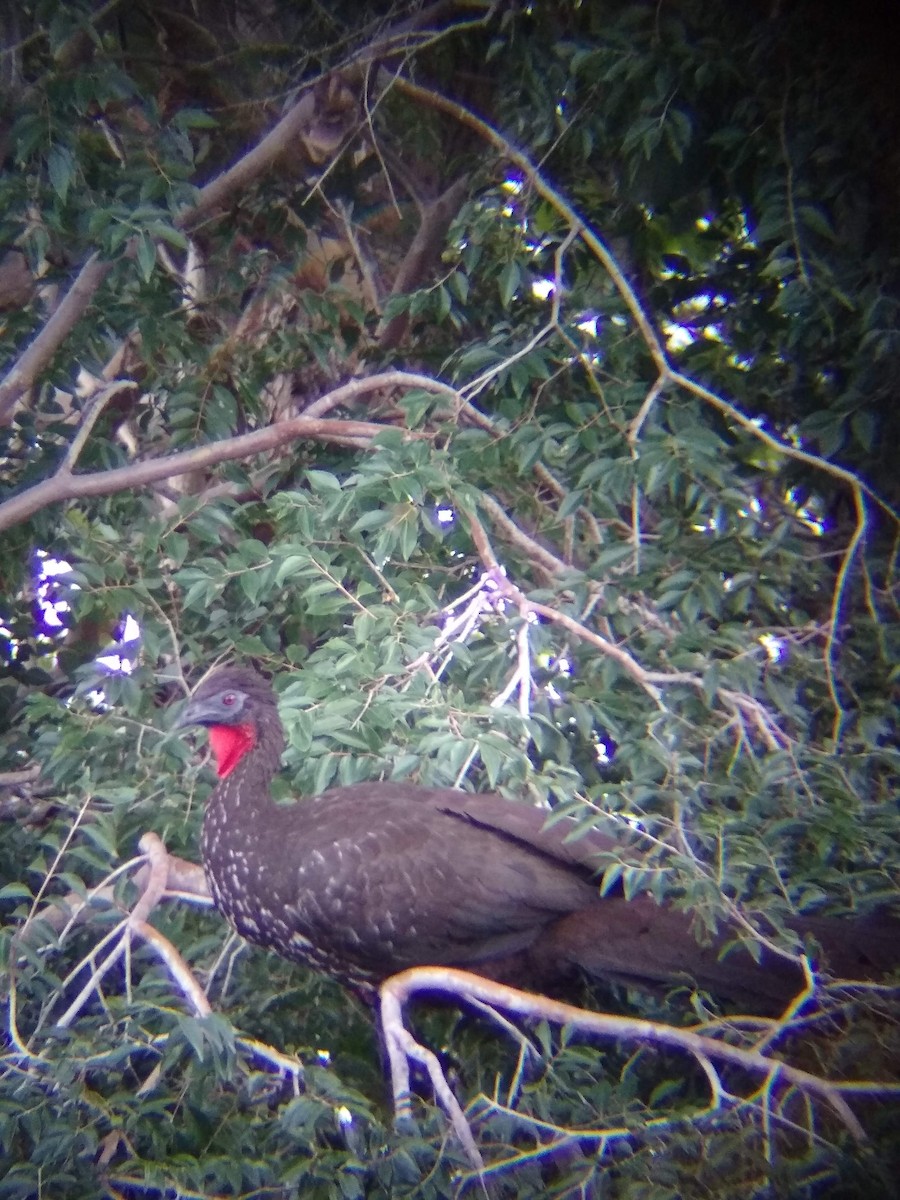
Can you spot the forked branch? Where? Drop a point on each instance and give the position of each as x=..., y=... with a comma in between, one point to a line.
x=706, y=1049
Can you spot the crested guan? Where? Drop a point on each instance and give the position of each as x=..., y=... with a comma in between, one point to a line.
x=368, y=880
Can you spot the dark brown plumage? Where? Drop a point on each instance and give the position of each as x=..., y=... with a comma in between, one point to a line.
x=365, y=881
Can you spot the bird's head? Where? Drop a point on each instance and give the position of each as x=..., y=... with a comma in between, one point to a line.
x=238, y=707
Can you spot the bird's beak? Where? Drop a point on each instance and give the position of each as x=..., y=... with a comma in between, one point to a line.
x=197, y=712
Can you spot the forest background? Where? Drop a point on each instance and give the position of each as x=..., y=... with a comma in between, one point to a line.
x=516, y=384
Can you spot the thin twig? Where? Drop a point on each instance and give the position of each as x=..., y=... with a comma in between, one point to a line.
x=840, y=586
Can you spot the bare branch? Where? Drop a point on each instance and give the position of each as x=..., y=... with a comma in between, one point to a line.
x=733, y=413
x=466, y=988
x=19, y=778
x=104, y=483
x=177, y=967
x=302, y=122
x=544, y=559
x=92, y=411
x=293, y=128
x=423, y=251
x=155, y=882
x=840, y=586
x=23, y=375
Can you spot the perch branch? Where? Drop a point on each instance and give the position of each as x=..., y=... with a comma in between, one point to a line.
x=467, y=988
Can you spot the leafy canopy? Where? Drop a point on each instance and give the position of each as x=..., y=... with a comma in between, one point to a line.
x=517, y=385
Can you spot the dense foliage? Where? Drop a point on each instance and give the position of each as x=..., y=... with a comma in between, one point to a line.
x=515, y=384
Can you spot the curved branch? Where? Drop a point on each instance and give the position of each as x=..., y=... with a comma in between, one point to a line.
x=651, y=681
x=466, y=987
x=523, y=163
x=538, y=555
x=667, y=374
x=67, y=486
x=733, y=413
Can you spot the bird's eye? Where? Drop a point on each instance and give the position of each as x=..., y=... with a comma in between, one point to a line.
x=228, y=699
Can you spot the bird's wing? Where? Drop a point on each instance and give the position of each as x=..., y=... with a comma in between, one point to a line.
x=529, y=825
x=415, y=882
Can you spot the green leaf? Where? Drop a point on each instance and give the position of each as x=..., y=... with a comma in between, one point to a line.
x=291, y=565
x=322, y=482
x=409, y=533
x=459, y=283
x=571, y=502
x=814, y=218
x=864, y=426
x=146, y=255
x=61, y=169
x=325, y=772
x=374, y=519
x=194, y=118
x=168, y=233
x=510, y=280
x=16, y=891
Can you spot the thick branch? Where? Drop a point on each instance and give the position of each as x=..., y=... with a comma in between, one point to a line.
x=22, y=377
x=290, y=129
x=76, y=301
x=423, y=252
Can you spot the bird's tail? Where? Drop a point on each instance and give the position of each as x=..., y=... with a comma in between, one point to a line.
x=639, y=942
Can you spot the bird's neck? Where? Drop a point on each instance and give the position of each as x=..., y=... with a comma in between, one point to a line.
x=247, y=757
x=241, y=831
x=235, y=744
x=229, y=744
x=246, y=787
x=240, y=811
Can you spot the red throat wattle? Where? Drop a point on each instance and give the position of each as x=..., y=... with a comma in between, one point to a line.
x=229, y=744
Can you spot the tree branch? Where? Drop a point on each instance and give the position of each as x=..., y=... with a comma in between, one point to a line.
x=667, y=374
x=651, y=681
x=467, y=988
x=523, y=163
x=67, y=486
x=423, y=251
x=298, y=124
x=23, y=375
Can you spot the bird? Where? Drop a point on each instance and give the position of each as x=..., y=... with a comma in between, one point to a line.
x=365, y=881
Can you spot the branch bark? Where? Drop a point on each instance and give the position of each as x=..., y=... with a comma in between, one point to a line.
x=303, y=123
x=421, y=255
